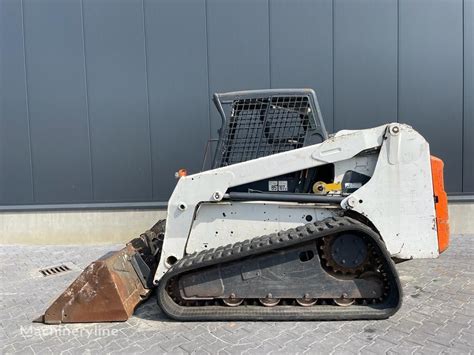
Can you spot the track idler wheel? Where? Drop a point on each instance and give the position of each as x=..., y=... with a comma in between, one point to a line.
x=269, y=301
x=306, y=302
x=344, y=302
x=232, y=301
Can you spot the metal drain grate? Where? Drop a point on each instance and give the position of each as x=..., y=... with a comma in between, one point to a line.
x=54, y=270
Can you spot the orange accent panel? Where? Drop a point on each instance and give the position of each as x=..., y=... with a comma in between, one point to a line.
x=441, y=203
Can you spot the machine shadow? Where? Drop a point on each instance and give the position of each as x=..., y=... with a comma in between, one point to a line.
x=150, y=310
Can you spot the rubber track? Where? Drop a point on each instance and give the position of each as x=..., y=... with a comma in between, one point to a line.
x=264, y=244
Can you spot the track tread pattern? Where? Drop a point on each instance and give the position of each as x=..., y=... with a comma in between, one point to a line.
x=263, y=244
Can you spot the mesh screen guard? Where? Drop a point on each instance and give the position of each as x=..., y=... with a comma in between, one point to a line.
x=258, y=123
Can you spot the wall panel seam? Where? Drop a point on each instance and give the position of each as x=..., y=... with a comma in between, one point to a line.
x=398, y=61
x=269, y=46
x=145, y=50
x=27, y=99
x=462, y=97
x=209, y=146
x=86, y=88
x=333, y=66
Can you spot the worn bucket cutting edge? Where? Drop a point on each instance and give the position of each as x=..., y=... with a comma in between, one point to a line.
x=108, y=290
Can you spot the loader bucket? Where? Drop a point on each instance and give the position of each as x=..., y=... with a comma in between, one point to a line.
x=109, y=289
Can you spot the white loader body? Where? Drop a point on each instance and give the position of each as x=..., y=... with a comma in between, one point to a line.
x=397, y=200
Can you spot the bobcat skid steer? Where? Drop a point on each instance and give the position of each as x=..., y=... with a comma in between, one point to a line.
x=289, y=224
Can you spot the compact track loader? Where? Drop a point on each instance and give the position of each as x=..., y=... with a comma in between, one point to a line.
x=289, y=224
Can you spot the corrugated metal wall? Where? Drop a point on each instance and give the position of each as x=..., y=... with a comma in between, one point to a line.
x=103, y=100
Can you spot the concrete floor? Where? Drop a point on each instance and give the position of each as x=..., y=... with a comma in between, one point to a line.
x=436, y=316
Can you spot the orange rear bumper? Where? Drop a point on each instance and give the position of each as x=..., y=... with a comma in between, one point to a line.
x=441, y=203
